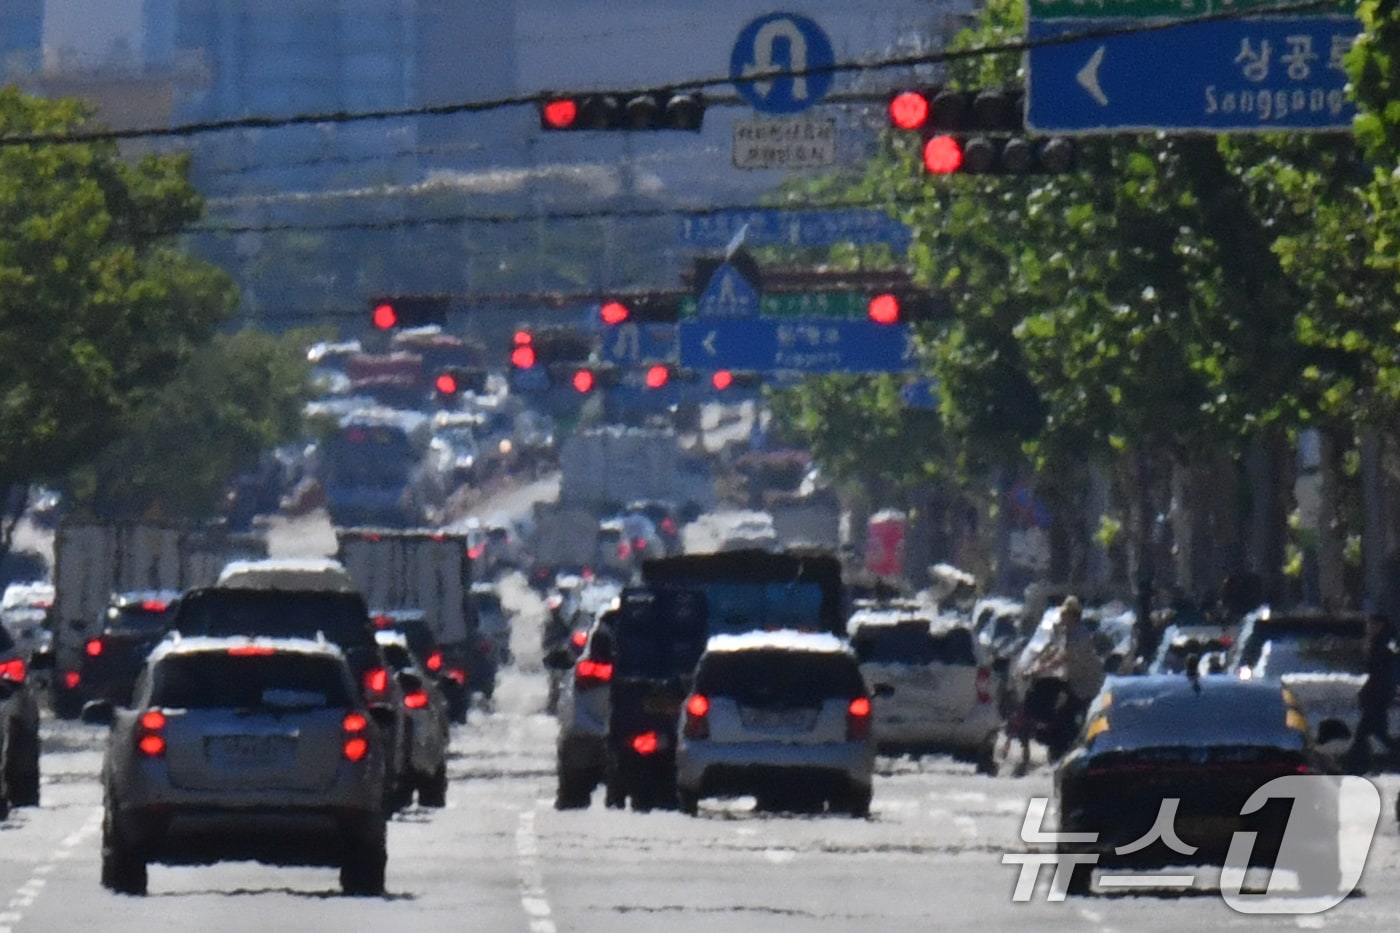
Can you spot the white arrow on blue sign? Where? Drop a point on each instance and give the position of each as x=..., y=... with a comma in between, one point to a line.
x=781, y=42
x=809, y=346
x=728, y=295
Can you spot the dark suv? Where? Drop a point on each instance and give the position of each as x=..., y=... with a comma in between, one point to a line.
x=19, y=729
x=132, y=624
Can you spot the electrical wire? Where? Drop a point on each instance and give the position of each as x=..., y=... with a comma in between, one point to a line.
x=520, y=100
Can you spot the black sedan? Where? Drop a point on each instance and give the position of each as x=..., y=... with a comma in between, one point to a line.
x=1208, y=744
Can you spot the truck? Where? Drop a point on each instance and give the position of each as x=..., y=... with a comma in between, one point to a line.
x=95, y=560
x=601, y=469
x=812, y=519
x=561, y=539
x=423, y=577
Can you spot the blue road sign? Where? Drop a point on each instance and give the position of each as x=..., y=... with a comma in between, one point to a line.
x=794, y=228
x=728, y=295
x=810, y=346
x=781, y=42
x=1227, y=75
x=633, y=342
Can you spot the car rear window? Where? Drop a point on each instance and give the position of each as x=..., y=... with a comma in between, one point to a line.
x=1298, y=631
x=139, y=619
x=341, y=617
x=1321, y=654
x=913, y=643
x=779, y=678
x=216, y=680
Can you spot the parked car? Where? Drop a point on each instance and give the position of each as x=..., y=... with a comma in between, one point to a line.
x=932, y=682
x=427, y=712
x=131, y=625
x=243, y=748
x=782, y=715
x=1207, y=743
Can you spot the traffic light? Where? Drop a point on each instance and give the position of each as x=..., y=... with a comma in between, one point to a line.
x=658, y=375
x=727, y=379
x=587, y=379
x=641, y=308
x=647, y=110
x=393, y=312
x=452, y=380
x=522, y=350
x=977, y=132
x=907, y=306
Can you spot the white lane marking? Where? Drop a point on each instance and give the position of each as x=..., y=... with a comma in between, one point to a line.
x=533, y=899
x=779, y=856
x=1311, y=922
x=27, y=893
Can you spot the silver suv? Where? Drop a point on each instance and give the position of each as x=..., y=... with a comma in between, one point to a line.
x=243, y=748
x=781, y=715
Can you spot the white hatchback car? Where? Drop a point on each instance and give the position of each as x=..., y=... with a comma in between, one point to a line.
x=781, y=715
x=932, y=682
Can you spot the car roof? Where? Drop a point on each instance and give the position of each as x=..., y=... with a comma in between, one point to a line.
x=177, y=644
x=287, y=573
x=1174, y=710
x=781, y=640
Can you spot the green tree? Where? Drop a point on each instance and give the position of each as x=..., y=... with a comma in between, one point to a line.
x=99, y=307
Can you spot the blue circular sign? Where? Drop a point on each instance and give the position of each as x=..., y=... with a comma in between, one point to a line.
x=784, y=42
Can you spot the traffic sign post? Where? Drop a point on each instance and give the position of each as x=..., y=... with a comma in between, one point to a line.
x=808, y=346
x=1261, y=74
x=781, y=42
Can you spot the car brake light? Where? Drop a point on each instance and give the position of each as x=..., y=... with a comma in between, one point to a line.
x=383, y=621
x=475, y=552
x=697, y=725
x=592, y=674
x=984, y=682
x=93, y=647
x=624, y=550
x=579, y=638
x=668, y=526
x=858, y=720
x=376, y=680
x=71, y=679
x=13, y=670
x=356, y=746
x=251, y=651
x=418, y=699
x=640, y=544
x=645, y=744
x=434, y=662
x=457, y=675
x=148, y=738
x=154, y=605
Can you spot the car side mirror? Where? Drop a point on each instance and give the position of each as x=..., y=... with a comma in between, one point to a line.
x=99, y=713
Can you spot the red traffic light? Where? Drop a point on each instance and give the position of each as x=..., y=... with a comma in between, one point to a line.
x=559, y=114
x=909, y=110
x=722, y=379
x=583, y=381
x=446, y=384
x=614, y=312
x=943, y=155
x=522, y=338
x=884, y=309
x=384, y=316
x=658, y=376
x=523, y=356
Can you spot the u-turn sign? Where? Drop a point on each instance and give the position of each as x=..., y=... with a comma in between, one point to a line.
x=781, y=42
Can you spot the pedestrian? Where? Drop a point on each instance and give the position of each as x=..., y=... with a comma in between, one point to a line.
x=1375, y=696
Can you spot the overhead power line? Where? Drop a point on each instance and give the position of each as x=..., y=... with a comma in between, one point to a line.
x=521, y=100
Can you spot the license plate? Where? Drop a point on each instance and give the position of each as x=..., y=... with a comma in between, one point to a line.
x=661, y=706
x=777, y=719
x=245, y=750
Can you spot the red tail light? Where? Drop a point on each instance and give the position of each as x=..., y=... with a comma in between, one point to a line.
x=668, y=527
x=434, y=662
x=418, y=699
x=858, y=720
x=640, y=544
x=355, y=746
x=697, y=723
x=457, y=675
x=149, y=740
x=71, y=679
x=376, y=680
x=383, y=622
x=984, y=685
x=93, y=647
x=645, y=744
x=154, y=605
x=251, y=651
x=13, y=670
x=579, y=638
x=624, y=550
x=592, y=674
x=475, y=552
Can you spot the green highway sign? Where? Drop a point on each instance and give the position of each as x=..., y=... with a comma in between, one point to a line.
x=1150, y=9
x=801, y=305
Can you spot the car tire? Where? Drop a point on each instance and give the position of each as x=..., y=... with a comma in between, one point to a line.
x=432, y=790
x=687, y=801
x=614, y=795
x=856, y=800
x=1080, y=879
x=575, y=792
x=985, y=761
x=123, y=867
x=22, y=768
x=362, y=872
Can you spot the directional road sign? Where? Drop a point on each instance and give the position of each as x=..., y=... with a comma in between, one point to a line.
x=794, y=228
x=810, y=346
x=781, y=42
x=728, y=295
x=633, y=342
x=1227, y=75
x=802, y=305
